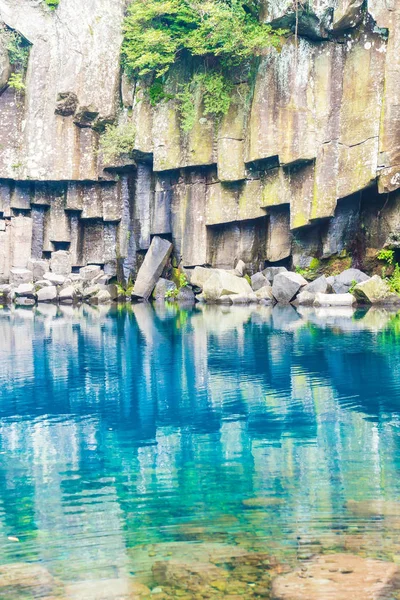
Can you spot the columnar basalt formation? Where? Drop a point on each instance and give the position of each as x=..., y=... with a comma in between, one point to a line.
x=305, y=165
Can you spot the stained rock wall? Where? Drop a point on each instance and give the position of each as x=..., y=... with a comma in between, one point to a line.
x=306, y=162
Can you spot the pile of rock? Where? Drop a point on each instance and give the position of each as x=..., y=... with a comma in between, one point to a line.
x=54, y=282
x=278, y=285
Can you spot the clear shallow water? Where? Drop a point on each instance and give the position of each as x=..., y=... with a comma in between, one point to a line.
x=137, y=434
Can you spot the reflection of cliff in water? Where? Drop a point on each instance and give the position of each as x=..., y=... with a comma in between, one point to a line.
x=116, y=424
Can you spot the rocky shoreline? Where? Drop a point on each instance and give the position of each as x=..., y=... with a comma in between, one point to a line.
x=54, y=282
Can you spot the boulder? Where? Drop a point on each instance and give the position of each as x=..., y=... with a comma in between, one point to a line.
x=54, y=278
x=222, y=283
x=91, y=291
x=113, y=291
x=286, y=285
x=153, y=265
x=47, y=294
x=334, y=300
x=162, y=287
x=5, y=293
x=67, y=295
x=60, y=263
x=38, y=268
x=239, y=298
x=18, y=276
x=90, y=272
x=42, y=283
x=258, y=280
x=186, y=294
x=346, y=279
x=318, y=286
x=375, y=291
x=271, y=272
x=200, y=275
x=305, y=298
x=103, y=297
x=26, y=290
x=265, y=293
x=338, y=577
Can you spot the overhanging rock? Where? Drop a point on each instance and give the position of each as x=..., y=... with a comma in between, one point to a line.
x=152, y=267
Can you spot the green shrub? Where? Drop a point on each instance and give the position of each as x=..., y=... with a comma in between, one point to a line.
x=158, y=32
x=386, y=255
x=352, y=286
x=17, y=48
x=394, y=280
x=16, y=82
x=117, y=140
x=52, y=4
x=213, y=89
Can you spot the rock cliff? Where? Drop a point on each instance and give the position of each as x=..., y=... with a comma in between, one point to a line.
x=305, y=165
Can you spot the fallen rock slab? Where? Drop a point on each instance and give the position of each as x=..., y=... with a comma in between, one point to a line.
x=271, y=272
x=265, y=293
x=18, y=276
x=286, y=285
x=153, y=265
x=345, y=280
x=375, y=291
x=163, y=286
x=90, y=272
x=199, y=276
x=60, y=263
x=305, y=298
x=334, y=300
x=222, y=283
x=318, y=286
x=338, y=577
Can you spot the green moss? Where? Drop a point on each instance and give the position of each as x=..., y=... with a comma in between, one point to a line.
x=117, y=140
x=16, y=82
x=52, y=4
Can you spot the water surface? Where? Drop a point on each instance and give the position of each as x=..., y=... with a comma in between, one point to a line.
x=128, y=434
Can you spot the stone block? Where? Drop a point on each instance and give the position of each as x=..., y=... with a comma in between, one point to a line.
x=153, y=265
x=334, y=300
x=222, y=283
x=38, y=268
x=20, y=276
x=286, y=285
x=60, y=263
x=47, y=294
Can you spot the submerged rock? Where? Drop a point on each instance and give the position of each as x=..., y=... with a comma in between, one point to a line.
x=338, y=577
x=153, y=265
x=25, y=580
x=375, y=291
x=286, y=285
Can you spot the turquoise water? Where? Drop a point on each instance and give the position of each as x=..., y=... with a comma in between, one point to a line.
x=142, y=432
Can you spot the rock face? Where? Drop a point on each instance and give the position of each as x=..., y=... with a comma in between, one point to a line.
x=339, y=576
x=334, y=300
x=152, y=267
x=287, y=175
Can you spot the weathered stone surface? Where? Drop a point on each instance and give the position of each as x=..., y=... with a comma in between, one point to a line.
x=319, y=285
x=199, y=276
x=21, y=241
x=47, y=294
x=54, y=278
x=265, y=293
x=286, y=285
x=305, y=298
x=38, y=268
x=67, y=294
x=20, y=276
x=222, y=283
x=90, y=272
x=152, y=267
x=186, y=295
x=375, y=291
x=60, y=263
x=25, y=290
x=334, y=300
x=26, y=579
x=271, y=272
x=258, y=280
x=186, y=575
x=162, y=287
x=338, y=576
x=346, y=279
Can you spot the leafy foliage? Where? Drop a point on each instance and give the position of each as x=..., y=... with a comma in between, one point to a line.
x=394, y=280
x=16, y=82
x=221, y=34
x=386, y=255
x=117, y=140
x=157, y=32
x=52, y=4
x=18, y=49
